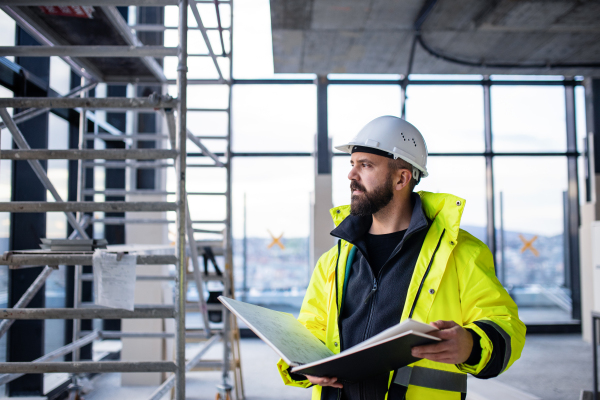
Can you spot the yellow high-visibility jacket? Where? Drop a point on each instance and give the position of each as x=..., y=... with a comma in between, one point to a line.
x=453, y=279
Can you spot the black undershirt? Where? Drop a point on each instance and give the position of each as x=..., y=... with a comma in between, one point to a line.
x=380, y=247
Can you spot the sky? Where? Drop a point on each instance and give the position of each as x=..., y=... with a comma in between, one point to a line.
x=271, y=118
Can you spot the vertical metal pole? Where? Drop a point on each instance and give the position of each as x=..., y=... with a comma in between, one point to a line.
x=181, y=212
x=77, y=284
x=489, y=168
x=245, y=285
x=595, y=353
x=502, y=254
x=228, y=281
x=566, y=244
x=573, y=200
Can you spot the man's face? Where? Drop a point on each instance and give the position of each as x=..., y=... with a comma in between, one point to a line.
x=371, y=184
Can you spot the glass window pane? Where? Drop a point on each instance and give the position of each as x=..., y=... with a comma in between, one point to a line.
x=350, y=107
x=463, y=177
x=277, y=192
x=460, y=176
x=528, y=118
x=449, y=117
x=271, y=118
x=531, y=226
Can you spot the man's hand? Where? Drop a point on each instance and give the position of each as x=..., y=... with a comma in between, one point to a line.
x=455, y=347
x=324, y=381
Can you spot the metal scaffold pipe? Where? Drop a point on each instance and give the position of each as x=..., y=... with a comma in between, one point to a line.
x=154, y=311
x=79, y=367
x=113, y=154
x=88, y=51
x=151, y=102
x=86, y=206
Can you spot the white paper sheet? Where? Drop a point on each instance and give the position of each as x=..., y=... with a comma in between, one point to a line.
x=281, y=331
x=114, y=281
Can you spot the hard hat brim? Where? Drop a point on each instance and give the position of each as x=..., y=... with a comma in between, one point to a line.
x=347, y=148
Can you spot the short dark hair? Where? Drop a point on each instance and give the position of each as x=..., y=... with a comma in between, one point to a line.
x=399, y=163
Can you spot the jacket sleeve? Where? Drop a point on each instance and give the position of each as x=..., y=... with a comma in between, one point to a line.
x=489, y=311
x=313, y=315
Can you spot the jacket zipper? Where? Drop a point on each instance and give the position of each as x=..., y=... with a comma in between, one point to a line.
x=412, y=310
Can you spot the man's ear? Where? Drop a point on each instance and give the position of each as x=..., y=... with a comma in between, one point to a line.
x=402, y=179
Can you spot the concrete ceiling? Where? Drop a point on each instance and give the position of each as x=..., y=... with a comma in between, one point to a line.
x=375, y=36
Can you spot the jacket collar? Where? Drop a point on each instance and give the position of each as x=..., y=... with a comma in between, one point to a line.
x=444, y=209
x=352, y=227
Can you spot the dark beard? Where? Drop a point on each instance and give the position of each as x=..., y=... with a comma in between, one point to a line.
x=373, y=201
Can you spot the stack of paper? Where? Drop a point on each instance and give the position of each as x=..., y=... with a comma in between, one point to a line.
x=73, y=244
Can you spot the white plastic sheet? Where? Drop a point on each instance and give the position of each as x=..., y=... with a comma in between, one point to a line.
x=114, y=281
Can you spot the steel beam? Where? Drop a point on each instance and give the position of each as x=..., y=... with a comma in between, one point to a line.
x=151, y=102
x=489, y=170
x=93, y=367
x=113, y=154
x=88, y=51
x=155, y=311
x=86, y=206
x=573, y=222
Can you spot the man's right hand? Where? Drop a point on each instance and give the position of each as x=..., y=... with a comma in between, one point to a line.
x=324, y=381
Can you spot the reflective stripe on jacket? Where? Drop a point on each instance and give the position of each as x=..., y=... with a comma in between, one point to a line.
x=453, y=279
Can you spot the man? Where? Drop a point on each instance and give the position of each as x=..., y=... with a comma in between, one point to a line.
x=402, y=255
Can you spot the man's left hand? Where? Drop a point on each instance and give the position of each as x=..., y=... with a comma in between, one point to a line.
x=455, y=347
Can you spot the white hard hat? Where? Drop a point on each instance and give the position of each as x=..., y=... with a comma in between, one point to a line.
x=395, y=138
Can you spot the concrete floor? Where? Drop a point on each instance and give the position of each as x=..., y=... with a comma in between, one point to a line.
x=552, y=367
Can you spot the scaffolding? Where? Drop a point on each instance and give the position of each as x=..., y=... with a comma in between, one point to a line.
x=139, y=68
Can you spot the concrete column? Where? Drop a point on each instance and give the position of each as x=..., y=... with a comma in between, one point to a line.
x=590, y=213
x=321, y=223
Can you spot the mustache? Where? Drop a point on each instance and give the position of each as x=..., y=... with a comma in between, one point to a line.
x=357, y=186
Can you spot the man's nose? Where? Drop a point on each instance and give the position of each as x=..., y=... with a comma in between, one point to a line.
x=352, y=175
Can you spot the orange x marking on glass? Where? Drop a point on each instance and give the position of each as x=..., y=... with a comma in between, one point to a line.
x=528, y=244
x=275, y=241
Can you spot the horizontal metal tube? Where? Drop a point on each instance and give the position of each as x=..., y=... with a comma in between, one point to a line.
x=149, y=335
x=120, y=192
x=87, y=367
x=33, y=260
x=140, y=137
x=89, y=102
x=86, y=206
x=209, y=222
x=205, y=194
x=130, y=164
x=122, y=221
x=30, y=113
x=162, y=28
x=158, y=311
x=207, y=231
x=88, y=51
x=89, y=338
x=91, y=2
x=114, y=154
